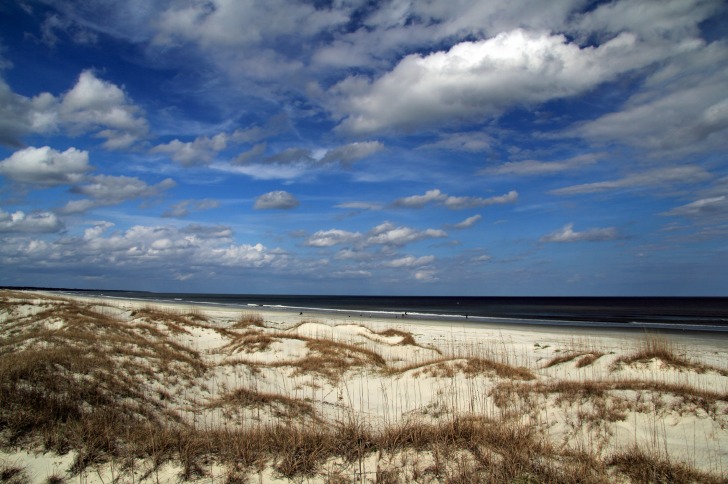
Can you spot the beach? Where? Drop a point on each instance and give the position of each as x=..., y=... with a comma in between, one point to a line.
x=101, y=390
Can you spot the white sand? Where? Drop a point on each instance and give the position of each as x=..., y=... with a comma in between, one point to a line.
x=436, y=387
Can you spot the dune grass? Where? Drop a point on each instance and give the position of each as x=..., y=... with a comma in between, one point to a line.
x=125, y=393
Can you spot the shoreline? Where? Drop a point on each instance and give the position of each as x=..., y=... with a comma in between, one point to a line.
x=690, y=330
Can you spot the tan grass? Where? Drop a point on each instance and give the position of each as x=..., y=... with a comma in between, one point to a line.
x=249, y=319
x=641, y=466
x=584, y=358
x=407, y=338
x=663, y=349
x=73, y=377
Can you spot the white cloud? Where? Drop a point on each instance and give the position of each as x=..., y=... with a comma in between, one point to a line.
x=251, y=155
x=280, y=200
x=348, y=154
x=426, y=276
x=328, y=238
x=55, y=23
x=36, y=222
x=386, y=234
x=143, y=250
x=389, y=234
x=471, y=142
x=182, y=209
x=201, y=151
x=452, y=202
x=360, y=205
x=94, y=103
x=567, y=234
x=654, y=20
x=45, y=166
x=456, y=203
x=265, y=171
x=704, y=207
x=535, y=167
x=14, y=122
x=229, y=24
x=681, y=109
x=411, y=261
x=104, y=190
x=91, y=106
x=468, y=222
x=419, y=201
x=477, y=80
x=659, y=176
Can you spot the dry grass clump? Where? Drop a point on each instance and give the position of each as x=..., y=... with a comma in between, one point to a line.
x=249, y=319
x=250, y=341
x=62, y=388
x=282, y=406
x=474, y=366
x=656, y=347
x=585, y=358
x=175, y=321
x=332, y=359
x=447, y=367
x=640, y=466
x=407, y=338
x=13, y=474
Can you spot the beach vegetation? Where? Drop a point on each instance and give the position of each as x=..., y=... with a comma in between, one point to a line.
x=147, y=394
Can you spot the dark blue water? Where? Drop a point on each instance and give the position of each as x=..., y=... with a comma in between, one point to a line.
x=680, y=314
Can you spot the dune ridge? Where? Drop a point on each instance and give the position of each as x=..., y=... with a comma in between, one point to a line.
x=127, y=391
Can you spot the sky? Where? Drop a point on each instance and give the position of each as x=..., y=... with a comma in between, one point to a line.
x=403, y=147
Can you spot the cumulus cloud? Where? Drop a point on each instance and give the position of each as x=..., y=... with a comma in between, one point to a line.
x=144, y=249
x=481, y=79
x=659, y=176
x=567, y=234
x=386, y=234
x=92, y=105
x=104, y=190
x=201, y=151
x=389, y=234
x=279, y=199
x=329, y=238
x=36, y=222
x=45, y=166
x=452, y=202
x=536, y=167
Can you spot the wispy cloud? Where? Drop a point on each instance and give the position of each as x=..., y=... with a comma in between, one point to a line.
x=567, y=234
x=453, y=202
x=535, y=167
x=660, y=176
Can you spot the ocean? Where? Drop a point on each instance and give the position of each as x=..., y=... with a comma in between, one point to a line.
x=658, y=313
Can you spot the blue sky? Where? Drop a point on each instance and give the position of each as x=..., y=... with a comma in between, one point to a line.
x=353, y=147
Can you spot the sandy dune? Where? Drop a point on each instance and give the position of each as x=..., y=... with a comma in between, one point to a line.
x=100, y=390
